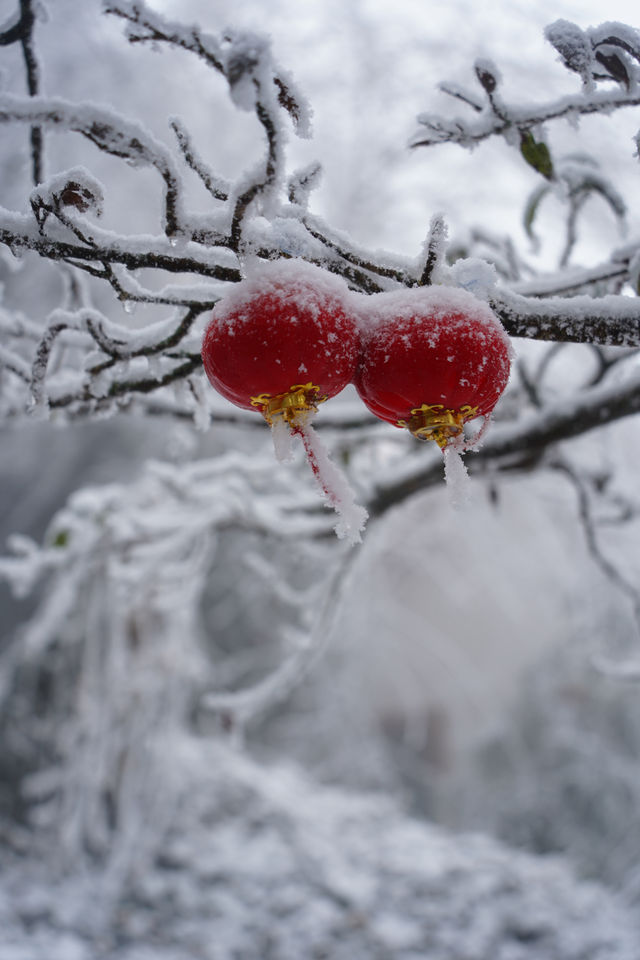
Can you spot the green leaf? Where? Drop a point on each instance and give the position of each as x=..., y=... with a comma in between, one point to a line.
x=61, y=539
x=531, y=209
x=536, y=154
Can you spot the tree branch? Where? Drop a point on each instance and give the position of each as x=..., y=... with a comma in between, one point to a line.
x=442, y=129
x=610, y=321
x=109, y=132
x=135, y=253
x=520, y=444
x=27, y=20
x=217, y=187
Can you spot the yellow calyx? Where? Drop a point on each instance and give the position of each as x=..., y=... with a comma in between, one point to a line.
x=298, y=399
x=436, y=422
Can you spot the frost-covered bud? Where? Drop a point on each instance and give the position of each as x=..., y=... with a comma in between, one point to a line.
x=488, y=74
x=75, y=195
x=75, y=188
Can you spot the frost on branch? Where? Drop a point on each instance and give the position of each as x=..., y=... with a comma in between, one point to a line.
x=263, y=213
x=122, y=573
x=75, y=188
x=610, y=52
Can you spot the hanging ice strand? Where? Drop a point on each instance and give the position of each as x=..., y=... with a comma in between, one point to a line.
x=282, y=342
x=433, y=359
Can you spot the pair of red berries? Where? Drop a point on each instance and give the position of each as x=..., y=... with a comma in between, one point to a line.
x=292, y=335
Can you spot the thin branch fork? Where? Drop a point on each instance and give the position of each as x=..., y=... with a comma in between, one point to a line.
x=319, y=231
x=118, y=350
x=109, y=132
x=155, y=29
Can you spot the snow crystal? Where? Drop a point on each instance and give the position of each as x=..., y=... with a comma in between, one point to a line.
x=437, y=301
x=288, y=281
x=474, y=275
x=456, y=476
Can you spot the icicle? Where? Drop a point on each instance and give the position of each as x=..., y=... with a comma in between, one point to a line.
x=333, y=483
x=282, y=437
x=456, y=476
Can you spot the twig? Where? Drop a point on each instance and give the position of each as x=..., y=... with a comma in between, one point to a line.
x=16, y=233
x=217, y=187
x=109, y=132
x=41, y=361
x=320, y=232
x=521, y=444
x=610, y=321
x=435, y=248
x=32, y=66
x=610, y=570
x=245, y=199
x=444, y=130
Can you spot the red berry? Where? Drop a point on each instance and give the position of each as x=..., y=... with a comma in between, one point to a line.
x=283, y=340
x=432, y=358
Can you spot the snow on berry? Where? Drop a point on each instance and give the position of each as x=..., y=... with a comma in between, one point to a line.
x=432, y=359
x=281, y=342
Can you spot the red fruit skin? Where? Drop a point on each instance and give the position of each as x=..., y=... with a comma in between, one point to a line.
x=433, y=352
x=288, y=324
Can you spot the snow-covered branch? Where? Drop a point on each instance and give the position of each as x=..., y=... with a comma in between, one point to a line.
x=611, y=320
x=20, y=30
x=20, y=233
x=109, y=132
x=467, y=133
x=242, y=58
x=520, y=444
x=608, y=53
x=264, y=213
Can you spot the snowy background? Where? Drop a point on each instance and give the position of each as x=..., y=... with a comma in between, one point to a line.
x=456, y=685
